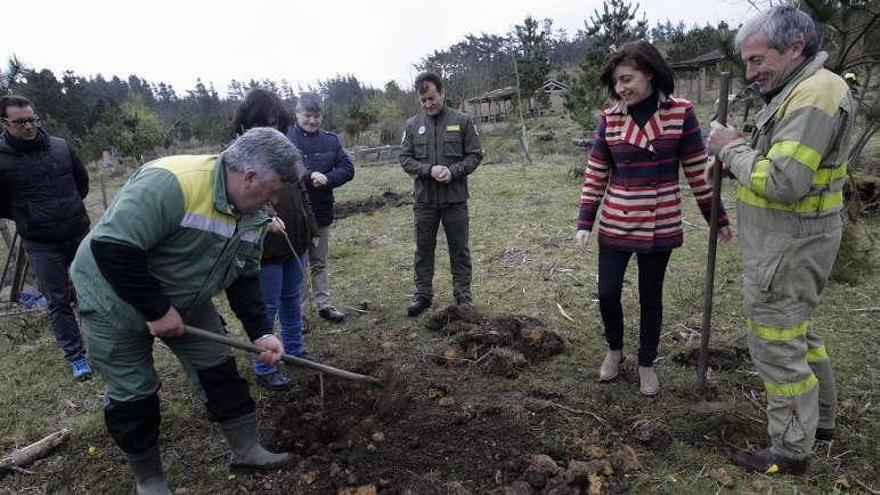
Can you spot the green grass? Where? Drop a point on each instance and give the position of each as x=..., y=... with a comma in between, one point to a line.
x=525, y=262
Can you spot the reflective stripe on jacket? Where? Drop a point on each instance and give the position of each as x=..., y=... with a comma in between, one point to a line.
x=176, y=210
x=793, y=167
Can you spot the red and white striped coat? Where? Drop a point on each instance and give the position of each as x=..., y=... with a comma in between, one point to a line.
x=632, y=172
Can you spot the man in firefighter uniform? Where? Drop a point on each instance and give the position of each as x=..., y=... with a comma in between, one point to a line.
x=791, y=173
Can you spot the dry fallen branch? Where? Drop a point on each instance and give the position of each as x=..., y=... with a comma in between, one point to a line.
x=563, y=313
x=866, y=310
x=34, y=451
x=575, y=411
x=866, y=487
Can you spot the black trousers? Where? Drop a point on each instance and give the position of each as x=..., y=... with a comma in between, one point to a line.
x=455, y=220
x=652, y=270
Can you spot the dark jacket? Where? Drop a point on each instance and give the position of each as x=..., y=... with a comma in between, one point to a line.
x=322, y=152
x=450, y=139
x=294, y=208
x=42, y=186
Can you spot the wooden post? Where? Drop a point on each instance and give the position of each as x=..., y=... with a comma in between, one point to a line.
x=18, y=273
x=524, y=140
x=702, y=84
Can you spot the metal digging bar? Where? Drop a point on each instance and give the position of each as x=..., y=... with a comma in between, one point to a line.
x=287, y=358
x=705, y=331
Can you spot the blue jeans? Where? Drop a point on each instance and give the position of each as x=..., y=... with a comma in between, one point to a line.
x=282, y=291
x=50, y=262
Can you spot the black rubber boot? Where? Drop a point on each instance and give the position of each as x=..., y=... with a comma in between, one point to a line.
x=247, y=452
x=825, y=434
x=767, y=462
x=147, y=467
x=418, y=305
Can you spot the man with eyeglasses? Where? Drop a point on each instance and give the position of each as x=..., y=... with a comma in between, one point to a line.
x=42, y=186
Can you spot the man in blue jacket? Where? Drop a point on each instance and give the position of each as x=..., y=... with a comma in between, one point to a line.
x=327, y=167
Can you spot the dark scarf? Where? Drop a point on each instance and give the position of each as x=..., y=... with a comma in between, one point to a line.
x=642, y=111
x=39, y=143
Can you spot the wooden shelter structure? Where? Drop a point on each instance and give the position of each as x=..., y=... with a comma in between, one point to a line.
x=495, y=105
x=697, y=77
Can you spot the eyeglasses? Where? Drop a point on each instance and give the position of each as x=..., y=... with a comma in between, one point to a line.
x=22, y=122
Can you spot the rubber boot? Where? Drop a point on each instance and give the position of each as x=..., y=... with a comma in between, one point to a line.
x=247, y=452
x=767, y=462
x=648, y=383
x=610, y=366
x=147, y=467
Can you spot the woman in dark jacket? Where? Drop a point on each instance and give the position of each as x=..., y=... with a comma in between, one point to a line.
x=283, y=262
x=642, y=142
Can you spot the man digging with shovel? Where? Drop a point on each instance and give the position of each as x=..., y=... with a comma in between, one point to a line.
x=182, y=229
x=791, y=173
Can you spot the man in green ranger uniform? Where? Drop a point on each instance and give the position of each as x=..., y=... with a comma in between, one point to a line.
x=440, y=148
x=182, y=229
x=791, y=174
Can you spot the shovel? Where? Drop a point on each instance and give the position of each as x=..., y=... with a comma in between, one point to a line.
x=287, y=358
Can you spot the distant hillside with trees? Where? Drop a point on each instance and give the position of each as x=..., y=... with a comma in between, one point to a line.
x=136, y=117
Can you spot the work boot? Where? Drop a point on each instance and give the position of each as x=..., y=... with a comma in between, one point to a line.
x=610, y=366
x=825, y=434
x=330, y=314
x=767, y=462
x=648, y=383
x=247, y=452
x=418, y=305
x=274, y=381
x=147, y=467
x=465, y=303
x=82, y=371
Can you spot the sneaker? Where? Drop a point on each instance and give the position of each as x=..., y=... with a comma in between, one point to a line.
x=330, y=314
x=274, y=381
x=767, y=462
x=81, y=369
x=610, y=366
x=418, y=305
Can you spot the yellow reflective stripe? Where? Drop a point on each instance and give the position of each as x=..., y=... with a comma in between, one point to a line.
x=797, y=150
x=825, y=176
x=777, y=334
x=808, y=204
x=791, y=389
x=817, y=354
x=758, y=177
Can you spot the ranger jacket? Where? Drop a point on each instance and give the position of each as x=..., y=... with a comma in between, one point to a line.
x=450, y=139
x=793, y=167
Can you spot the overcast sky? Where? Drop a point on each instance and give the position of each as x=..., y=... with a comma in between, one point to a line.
x=301, y=41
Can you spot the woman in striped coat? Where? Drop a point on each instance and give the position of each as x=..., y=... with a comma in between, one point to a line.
x=633, y=172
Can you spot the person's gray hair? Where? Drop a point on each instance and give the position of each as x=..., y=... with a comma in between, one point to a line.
x=309, y=103
x=267, y=152
x=783, y=25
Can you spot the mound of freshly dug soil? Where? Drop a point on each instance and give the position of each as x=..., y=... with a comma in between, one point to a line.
x=719, y=359
x=502, y=345
x=359, y=439
x=371, y=204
